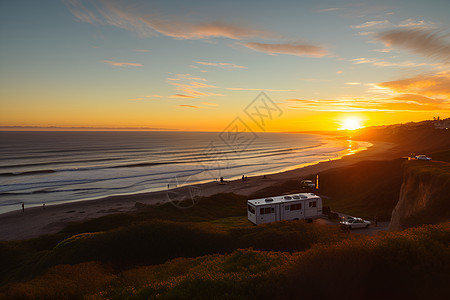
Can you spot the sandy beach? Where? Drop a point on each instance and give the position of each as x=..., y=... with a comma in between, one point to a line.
x=37, y=221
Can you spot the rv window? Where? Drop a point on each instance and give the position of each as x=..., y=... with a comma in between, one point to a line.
x=313, y=204
x=261, y=211
x=297, y=206
x=251, y=209
x=268, y=210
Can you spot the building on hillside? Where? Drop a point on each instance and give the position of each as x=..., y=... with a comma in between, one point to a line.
x=442, y=124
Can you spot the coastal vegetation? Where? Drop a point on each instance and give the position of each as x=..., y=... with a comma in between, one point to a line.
x=412, y=264
x=211, y=251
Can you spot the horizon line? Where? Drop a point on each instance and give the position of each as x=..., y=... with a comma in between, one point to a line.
x=89, y=128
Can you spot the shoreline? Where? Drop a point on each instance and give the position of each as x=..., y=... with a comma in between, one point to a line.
x=352, y=148
x=36, y=221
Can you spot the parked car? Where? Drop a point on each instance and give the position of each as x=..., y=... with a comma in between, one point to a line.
x=308, y=184
x=352, y=223
x=423, y=157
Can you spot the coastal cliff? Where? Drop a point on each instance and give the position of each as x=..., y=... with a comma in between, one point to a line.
x=424, y=195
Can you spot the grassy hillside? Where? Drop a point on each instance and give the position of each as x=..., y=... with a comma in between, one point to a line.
x=413, y=264
x=366, y=189
x=416, y=136
x=129, y=240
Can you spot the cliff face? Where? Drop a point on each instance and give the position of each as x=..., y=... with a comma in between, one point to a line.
x=424, y=195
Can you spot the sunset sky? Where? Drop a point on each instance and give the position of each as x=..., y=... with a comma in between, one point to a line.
x=196, y=65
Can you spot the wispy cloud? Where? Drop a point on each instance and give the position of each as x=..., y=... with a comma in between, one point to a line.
x=363, y=60
x=148, y=22
x=361, y=104
x=329, y=9
x=292, y=49
x=383, y=63
x=353, y=83
x=145, y=97
x=188, y=106
x=186, y=77
x=437, y=85
x=210, y=104
x=182, y=96
x=424, y=93
x=419, y=99
x=221, y=65
x=422, y=42
x=190, y=87
x=121, y=64
x=416, y=23
x=371, y=24
x=81, y=12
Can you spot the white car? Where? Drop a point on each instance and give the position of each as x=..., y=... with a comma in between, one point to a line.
x=353, y=223
x=423, y=157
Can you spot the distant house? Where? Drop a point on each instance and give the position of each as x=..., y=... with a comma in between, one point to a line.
x=442, y=124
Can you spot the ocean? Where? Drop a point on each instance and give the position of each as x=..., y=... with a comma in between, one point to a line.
x=55, y=167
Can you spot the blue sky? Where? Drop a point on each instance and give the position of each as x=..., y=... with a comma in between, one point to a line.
x=194, y=65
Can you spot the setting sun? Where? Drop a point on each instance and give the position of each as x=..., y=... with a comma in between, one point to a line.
x=351, y=124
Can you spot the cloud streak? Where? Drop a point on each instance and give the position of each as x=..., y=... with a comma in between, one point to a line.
x=188, y=106
x=424, y=93
x=81, y=12
x=371, y=24
x=221, y=65
x=121, y=64
x=408, y=23
x=291, y=49
x=383, y=63
x=190, y=87
x=423, y=42
x=182, y=96
x=424, y=85
x=329, y=9
x=147, y=22
x=361, y=104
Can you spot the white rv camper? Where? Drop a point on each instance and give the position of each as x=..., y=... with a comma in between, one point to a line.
x=287, y=207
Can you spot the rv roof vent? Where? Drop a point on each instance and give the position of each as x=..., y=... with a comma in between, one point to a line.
x=303, y=196
x=269, y=199
x=296, y=197
x=287, y=197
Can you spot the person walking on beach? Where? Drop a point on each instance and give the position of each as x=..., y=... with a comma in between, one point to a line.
x=23, y=207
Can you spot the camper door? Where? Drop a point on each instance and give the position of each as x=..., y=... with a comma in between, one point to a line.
x=311, y=208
